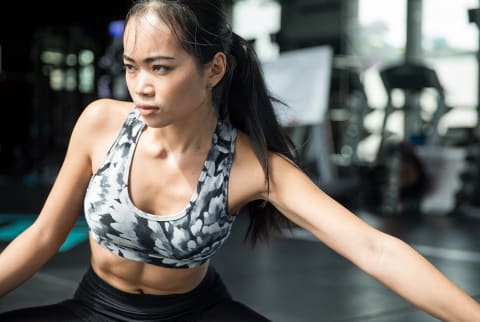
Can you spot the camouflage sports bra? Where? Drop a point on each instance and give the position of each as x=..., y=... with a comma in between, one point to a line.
x=182, y=240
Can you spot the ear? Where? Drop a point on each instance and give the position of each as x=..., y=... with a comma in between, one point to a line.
x=216, y=69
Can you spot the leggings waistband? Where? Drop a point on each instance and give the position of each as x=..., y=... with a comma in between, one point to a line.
x=107, y=300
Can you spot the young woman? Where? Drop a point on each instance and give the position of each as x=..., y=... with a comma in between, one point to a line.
x=162, y=178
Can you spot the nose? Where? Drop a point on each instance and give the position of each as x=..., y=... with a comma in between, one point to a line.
x=144, y=85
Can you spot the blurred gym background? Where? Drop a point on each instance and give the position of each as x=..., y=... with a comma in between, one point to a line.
x=392, y=91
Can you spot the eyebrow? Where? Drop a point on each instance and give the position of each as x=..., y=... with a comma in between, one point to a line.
x=149, y=60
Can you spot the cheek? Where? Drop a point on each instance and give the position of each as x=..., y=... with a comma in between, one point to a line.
x=189, y=87
x=130, y=88
x=131, y=84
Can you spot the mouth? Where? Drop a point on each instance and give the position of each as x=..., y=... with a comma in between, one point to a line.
x=147, y=109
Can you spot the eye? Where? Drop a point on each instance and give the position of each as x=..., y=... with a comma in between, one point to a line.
x=161, y=68
x=129, y=68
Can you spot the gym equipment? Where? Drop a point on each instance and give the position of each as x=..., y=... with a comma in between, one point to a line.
x=466, y=198
x=347, y=110
x=413, y=80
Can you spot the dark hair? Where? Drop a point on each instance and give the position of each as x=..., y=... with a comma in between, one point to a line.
x=241, y=97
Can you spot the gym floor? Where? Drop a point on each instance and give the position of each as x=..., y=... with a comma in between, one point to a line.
x=293, y=279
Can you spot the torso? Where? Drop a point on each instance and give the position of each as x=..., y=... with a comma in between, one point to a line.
x=137, y=277
x=140, y=277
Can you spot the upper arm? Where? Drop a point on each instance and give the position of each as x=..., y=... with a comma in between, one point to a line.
x=296, y=196
x=64, y=202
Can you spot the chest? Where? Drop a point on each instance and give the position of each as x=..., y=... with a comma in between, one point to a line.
x=164, y=183
x=161, y=209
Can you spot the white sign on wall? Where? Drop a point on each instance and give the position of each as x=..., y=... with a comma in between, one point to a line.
x=301, y=79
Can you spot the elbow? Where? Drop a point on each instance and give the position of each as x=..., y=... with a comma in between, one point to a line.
x=380, y=251
x=46, y=240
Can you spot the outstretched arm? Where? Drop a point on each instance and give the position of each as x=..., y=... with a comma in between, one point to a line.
x=27, y=253
x=387, y=259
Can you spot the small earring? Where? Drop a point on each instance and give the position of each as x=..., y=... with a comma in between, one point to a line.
x=209, y=86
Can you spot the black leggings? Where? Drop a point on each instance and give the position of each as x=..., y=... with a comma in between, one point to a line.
x=97, y=301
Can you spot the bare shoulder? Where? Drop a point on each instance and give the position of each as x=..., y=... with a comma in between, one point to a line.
x=247, y=177
x=105, y=113
x=245, y=158
x=101, y=119
x=98, y=125
x=247, y=180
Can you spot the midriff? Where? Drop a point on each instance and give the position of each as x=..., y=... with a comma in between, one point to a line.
x=137, y=277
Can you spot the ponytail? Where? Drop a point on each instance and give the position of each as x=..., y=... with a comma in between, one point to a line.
x=246, y=102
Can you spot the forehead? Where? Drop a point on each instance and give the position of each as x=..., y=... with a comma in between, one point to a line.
x=147, y=34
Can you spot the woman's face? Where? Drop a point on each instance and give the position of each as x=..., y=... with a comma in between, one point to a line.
x=164, y=81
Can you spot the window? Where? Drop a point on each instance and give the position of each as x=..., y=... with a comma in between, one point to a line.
x=257, y=20
x=450, y=43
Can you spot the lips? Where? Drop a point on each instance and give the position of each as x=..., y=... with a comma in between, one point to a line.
x=147, y=109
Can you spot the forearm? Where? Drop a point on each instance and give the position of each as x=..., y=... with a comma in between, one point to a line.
x=23, y=257
x=406, y=272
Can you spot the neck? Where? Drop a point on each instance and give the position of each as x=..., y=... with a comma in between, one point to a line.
x=189, y=134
